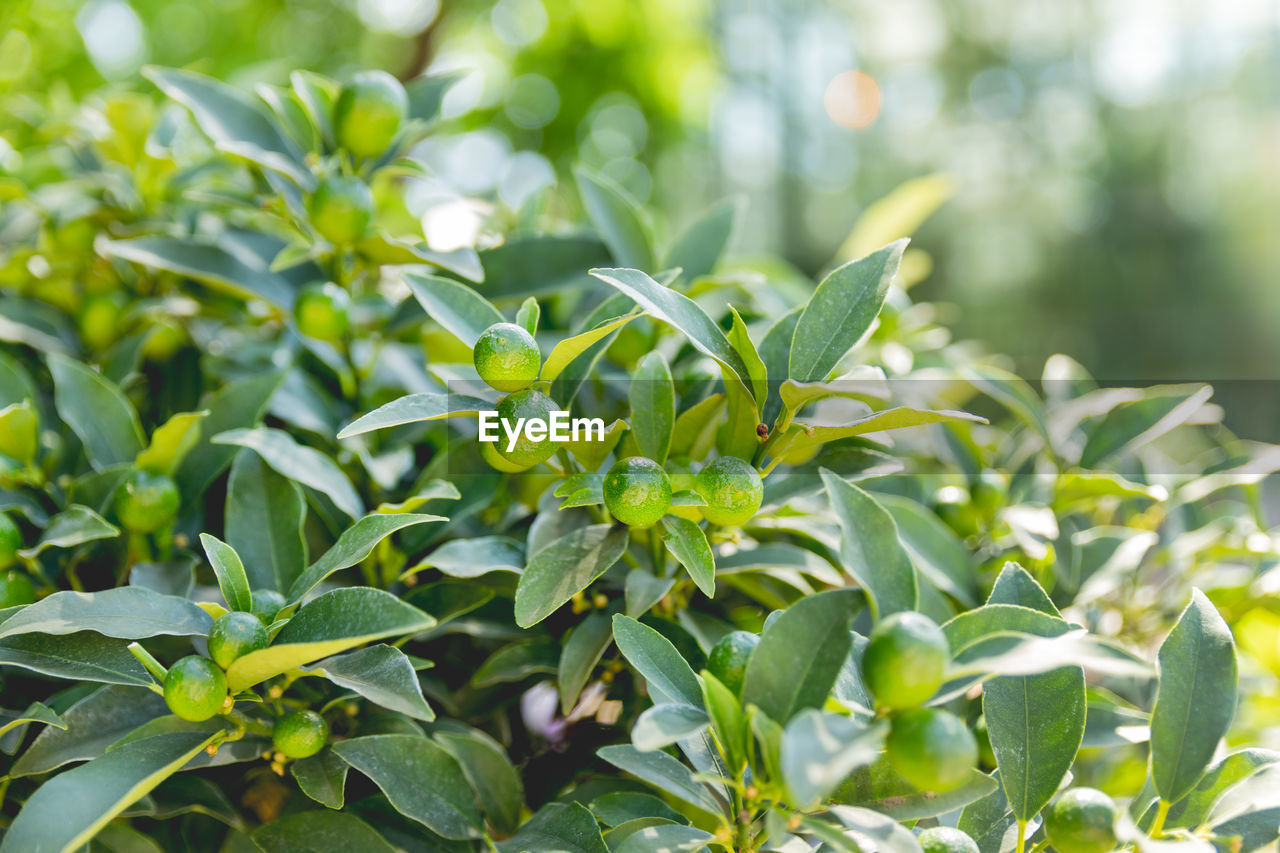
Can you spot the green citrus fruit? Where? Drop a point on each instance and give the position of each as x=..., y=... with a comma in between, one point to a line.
x=732, y=490
x=946, y=839
x=931, y=749
x=235, y=634
x=265, y=604
x=147, y=502
x=369, y=112
x=528, y=405
x=729, y=656
x=322, y=312
x=637, y=491
x=166, y=338
x=10, y=541
x=99, y=319
x=489, y=453
x=20, y=431
x=506, y=357
x=299, y=734
x=682, y=473
x=905, y=660
x=340, y=209
x=1082, y=820
x=15, y=589
x=194, y=688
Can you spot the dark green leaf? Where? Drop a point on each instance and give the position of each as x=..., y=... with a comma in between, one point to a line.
x=73, y=526
x=229, y=570
x=617, y=219
x=460, y=309
x=97, y=412
x=218, y=266
x=669, y=676
x=317, y=831
x=356, y=543
x=688, y=543
x=653, y=406
x=265, y=513
x=582, y=650
x=300, y=463
x=565, y=567
x=664, y=772
x=322, y=777
x=84, y=656
x=383, y=675
x=870, y=549
x=127, y=612
x=489, y=771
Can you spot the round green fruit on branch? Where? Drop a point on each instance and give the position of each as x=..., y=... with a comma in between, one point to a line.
x=299, y=734
x=195, y=688
x=369, y=112
x=732, y=489
x=729, y=656
x=946, y=839
x=15, y=589
x=10, y=541
x=905, y=660
x=489, y=453
x=525, y=407
x=931, y=749
x=340, y=209
x=637, y=491
x=265, y=604
x=147, y=502
x=1082, y=820
x=322, y=311
x=235, y=634
x=506, y=357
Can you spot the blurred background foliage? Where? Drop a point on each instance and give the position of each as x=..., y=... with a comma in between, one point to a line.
x=1114, y=168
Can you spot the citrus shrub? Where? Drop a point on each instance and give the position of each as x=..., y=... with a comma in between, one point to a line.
x=266, y=585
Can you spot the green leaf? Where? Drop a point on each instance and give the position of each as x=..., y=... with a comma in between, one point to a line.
x=97, y=411
x=668, y=675
x=241, y=276
x=229, y=570
x=620, y=807
x=322, y=777
x=1036, y=724
x=933, y=548
x=840, y=312
x=877, y=786
x=898, y=214
x=1133, y=424
x=563, y=353
x=490, y=773
x=974, y=625
x=566, y=566
x=653, y=406
x=663, y=725
x=265, y=513
x=235, y=122
x=699, y=249
x=300, y=463
x=800, y=655
x=541, y=264
x=820, y=750
x=1015, y=585
x=319, y=830
x=171, y=442
x=471, y=558
x=885, y=833
x=382, y=249
x=665, y=838
x=449, y=598
x=83, y=656
x=37, y=712
x=664, y=772
x=334, y=622
x=1194, y=809
x=870, y=549
x=422, y=781
x=94, y=723
x=415, y=408
x=617, y=219
x=238, y=404
x=728, y=722
x=426, y=93
x=557, y=828
x=582, y=650
x=68, y=810
x=802, y=438
x=740, y=340
x=1014, y=393
x=516, y=662
x=73, y=526
x=1195, y=700
x=679, y=311
x=688, y=543
x=382, y=674
x=528, y=315
x=127, y=612
x=460, y=309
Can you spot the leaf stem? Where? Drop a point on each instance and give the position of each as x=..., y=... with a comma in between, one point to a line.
x=1022, y=837
x=1162, y=812
x=149, y=663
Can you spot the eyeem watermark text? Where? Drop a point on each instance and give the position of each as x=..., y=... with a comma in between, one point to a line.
x=559, y=427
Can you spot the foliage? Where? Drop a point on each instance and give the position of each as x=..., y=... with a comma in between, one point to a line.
x=502, y=664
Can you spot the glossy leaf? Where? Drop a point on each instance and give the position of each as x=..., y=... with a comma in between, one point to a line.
x=229, y=570
x=355, y=543
x=580, y=652
x=74, y=526
x=383, y=675
x=300, y=463
x=1196, y=698
x=565, y=567
x=663, y=772
x=819, y=750
x=265, y=513
x=238, y=404
x=215, y=265
x=421, y=780
x=490, y=773
x=653, y=406
x=469, y=558
x=617, y=220
x=870, y=548
x=800, y=655
x=322, y=777
x=415, y=408
x=663, y=725
x=669, y=676
x=460, y=309
x=331, y=623
x=82, y=656
x=564, y=352
x=687, y=542
x=840, y=312
x=127, y=612
x=319, y=830
x=557, y=828
x=97, y=412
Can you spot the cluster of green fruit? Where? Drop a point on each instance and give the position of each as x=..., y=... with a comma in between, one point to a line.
x=195, y=687
x=637, y=491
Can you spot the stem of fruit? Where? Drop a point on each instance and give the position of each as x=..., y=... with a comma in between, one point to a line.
x=1162, y=812
x=149, y=663
x=1022, y=837
x=657, y=554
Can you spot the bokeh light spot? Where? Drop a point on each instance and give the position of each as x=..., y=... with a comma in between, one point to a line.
x=852, y=99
